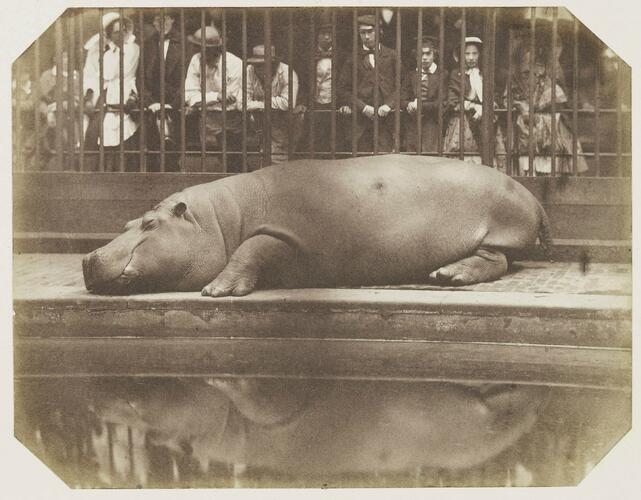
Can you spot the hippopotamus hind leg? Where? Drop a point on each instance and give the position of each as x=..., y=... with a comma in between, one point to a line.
x=240, y=275
x=486, y=264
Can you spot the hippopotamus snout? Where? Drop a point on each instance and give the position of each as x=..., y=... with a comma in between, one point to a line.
x=108, y=270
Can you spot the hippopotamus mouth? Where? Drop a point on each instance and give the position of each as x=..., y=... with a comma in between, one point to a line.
x=98, y=281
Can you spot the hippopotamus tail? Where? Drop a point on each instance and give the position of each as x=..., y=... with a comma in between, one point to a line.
x=545, y=239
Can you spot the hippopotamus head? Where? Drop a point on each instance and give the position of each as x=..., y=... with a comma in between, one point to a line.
x=164, y=250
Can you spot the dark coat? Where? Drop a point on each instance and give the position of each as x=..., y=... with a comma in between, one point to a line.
x=429, y=108
x=174, y=77
x=366, y=80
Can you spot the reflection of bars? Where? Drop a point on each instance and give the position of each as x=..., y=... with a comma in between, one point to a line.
x=71, y=152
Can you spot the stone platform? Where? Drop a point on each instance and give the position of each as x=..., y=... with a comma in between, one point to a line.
x=547, y=323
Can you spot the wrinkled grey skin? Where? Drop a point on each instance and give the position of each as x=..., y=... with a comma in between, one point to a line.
x=377, y=220
x=330, y=427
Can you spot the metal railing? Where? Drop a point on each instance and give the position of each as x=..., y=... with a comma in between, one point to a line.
x=65, y=146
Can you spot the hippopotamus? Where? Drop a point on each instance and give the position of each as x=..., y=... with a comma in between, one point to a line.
x=319, y=430
x=378, y=220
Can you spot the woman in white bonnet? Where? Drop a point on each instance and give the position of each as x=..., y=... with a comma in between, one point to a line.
x=116, y=32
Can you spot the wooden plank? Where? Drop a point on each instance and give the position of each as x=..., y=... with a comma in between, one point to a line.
x=155, y=186
x=323, y=358
x=586, y=222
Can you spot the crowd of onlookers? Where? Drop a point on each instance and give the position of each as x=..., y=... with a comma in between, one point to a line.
x=426, y=86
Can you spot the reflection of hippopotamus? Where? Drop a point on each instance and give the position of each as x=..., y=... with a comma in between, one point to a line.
x=317, y=429
x=364, y=221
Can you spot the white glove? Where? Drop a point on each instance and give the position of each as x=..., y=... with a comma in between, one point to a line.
x=412, y=106
x=345, y=110
x=384, y=110
x=368, y=111
x=478, y=111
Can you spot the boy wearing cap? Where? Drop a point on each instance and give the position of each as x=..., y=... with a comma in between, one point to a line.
x=280, y=99
x=322, y=92
x=211, y=136
x=366, y=85
x=426, y=82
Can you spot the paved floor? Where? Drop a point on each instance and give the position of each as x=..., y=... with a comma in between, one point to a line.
x=42, y=270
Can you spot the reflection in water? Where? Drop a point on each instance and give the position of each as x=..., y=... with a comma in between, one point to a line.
x=271, y=432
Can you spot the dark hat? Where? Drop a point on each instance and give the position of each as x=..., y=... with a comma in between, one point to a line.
x=367, y=19
x=212, y=37
x=428, y=41
x=258, y=55
x=172, y=12
x=325, y=25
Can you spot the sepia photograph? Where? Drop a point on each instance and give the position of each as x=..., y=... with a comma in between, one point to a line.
x=325, y=247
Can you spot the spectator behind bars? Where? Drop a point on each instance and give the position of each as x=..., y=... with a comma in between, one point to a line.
x=472, y=102
x=366, y=85
x=211, y=135
x=542, y=121
x=426, y=81
x=116, y=33
x=70, y=94
x=170, y=52
x=321, y=98
x=280, y=100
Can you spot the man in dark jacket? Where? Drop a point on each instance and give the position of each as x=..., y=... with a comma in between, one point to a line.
x=366, y=107
x=174, y=78
x=425, y=81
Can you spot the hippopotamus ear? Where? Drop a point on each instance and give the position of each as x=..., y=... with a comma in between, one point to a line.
x=133, y=223
x=179, y=209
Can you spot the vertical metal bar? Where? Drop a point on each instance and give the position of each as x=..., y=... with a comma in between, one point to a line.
x=510, y=103
x=334, y=76
x=224, y=87
x=121, y=81
x=290, y=79
x=487, y=118
x=531, y=91
x=312, y=87
x=110, y=442
x=100, y=91
x=161, y=48
x=59, y=85
x=244, y=117
x=81, y=85
x=355, y=63
x=619, y=98
x=130, y=448
x=597, y=112
x=35, y=89
x=203, y=102
x=183, y=71
x=377, y=24
x=267, y=79
x=441, y=87
x=143, y=122
x=419, y=100
x=397, y=86
x=18, y=153
x=575, y=94
x=555, y=15
x=70, y=115
x=462, y=84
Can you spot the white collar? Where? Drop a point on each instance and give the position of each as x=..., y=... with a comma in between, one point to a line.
x=470, y=71
x=430, y=70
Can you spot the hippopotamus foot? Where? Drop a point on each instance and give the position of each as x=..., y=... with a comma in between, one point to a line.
x=241, y=274
x=485, y=265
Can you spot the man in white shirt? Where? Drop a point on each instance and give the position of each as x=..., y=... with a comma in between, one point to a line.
x=213, y=96
x=280, y=100
x=322, y=91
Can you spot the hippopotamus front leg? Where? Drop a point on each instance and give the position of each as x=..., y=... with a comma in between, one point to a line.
x=254, y=255
x=486, y=264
